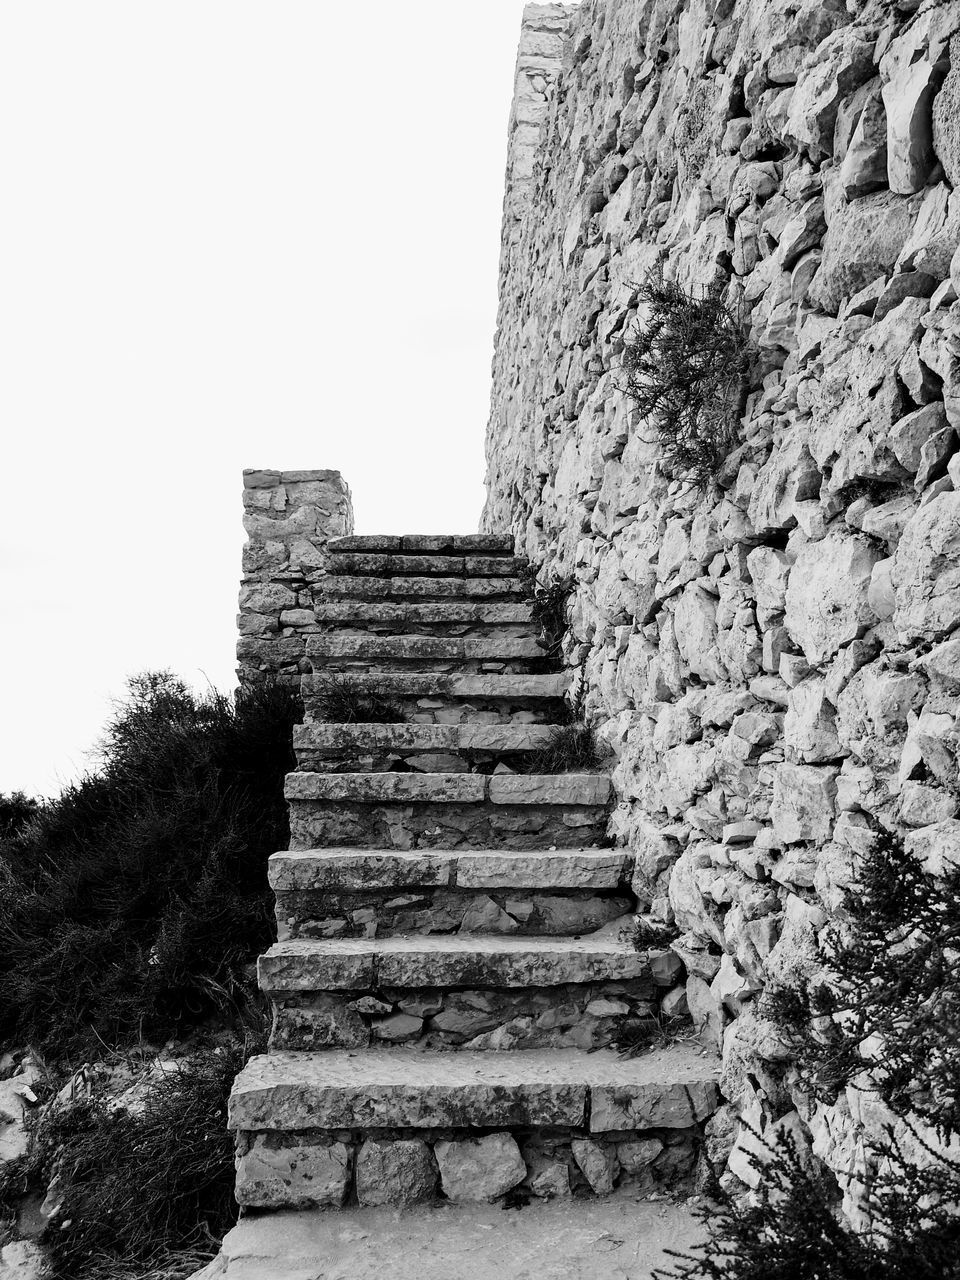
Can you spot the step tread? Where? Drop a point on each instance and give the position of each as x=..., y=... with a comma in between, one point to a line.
x=425, y=543
x=453, y=612
x=514, y=685
x=469, y=869
x=423, y=647
x=369, y=588
x=396, y=564
x=673, y=1087
x=444, y=960
x=580, y=789
x=403, y=736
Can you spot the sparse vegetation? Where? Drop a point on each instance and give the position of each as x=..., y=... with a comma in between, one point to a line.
x=890, y=999
x=338, y=700
x=687, y=369
x=634, y=1035
x=572, y=748
x=136, y=902
x=143, y=1190
x=548, y=601
x=16, y=810
x=790, y=1228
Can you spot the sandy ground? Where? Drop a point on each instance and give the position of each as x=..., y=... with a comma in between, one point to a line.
x=613, y=1238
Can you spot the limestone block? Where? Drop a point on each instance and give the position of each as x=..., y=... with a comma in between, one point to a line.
x=547, y=1178
x=942, y=665
x=561, y=788
x=908, y=98
x=787, y=478
x=273, y=1175
x=769, y=571
x=479, y=1169
x=827, y=601
x=864, y=166
x=880, y=593
x=400, y=1172
x=946, y=113
x=926, y=571
x=637, y=1155
x=844, y=62
x=937, y=847
x=597, y=1162
x=804, y=802
x=696, y=633
x=922, y=805
x=809, y=727
x=873, y=711
x=864, y=239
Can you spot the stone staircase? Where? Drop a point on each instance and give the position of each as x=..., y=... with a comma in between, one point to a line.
x=455, y=952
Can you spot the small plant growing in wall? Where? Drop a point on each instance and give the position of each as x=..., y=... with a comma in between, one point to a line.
x=339, y=700
x=687, y=369
x=548, y=607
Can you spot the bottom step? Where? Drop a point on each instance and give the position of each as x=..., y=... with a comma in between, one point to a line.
x=593, y=1239
x=395, y=1126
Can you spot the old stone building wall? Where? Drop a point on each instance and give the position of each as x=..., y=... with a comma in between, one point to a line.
x=289, y=517
x=772, y=662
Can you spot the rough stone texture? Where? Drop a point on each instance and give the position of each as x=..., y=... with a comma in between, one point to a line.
x=272, y=1174
x=289, y=517
x=400, y=1172
x=479, y=1168
x=776, y=651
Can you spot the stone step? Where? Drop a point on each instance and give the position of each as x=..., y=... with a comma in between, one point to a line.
x=479, y=687
x=331, y=649
x=313, y=1128
x=345, y=586
x=668, y=1088
x=353, y=869
x=401, y=616
x=454, y=960
x=426, y=543
x=541, y=789
x=381, y=745
x=351, y=564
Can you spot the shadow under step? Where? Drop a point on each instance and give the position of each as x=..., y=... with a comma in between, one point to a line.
x=342, y=586
x=425, y=543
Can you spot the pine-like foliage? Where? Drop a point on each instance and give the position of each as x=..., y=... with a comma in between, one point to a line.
x=686, y=368
x=790, y=1228
x=890, y=1003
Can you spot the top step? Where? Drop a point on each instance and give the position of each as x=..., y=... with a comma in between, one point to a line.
x=435, y=544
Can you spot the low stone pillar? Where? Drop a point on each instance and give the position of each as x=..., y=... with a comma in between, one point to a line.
x=289, y=517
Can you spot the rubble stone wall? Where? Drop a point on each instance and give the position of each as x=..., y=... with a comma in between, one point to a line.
x=289, y=516
x=773, y=662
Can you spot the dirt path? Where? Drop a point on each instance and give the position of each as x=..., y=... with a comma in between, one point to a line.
x=614, y=1238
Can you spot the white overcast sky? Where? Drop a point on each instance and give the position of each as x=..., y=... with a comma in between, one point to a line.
x=232, y=234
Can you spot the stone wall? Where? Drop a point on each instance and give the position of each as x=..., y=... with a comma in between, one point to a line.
x=773, y=661
x=289, y=516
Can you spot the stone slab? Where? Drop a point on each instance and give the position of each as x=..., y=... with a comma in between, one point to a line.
x=448, y=960
x=421, y=648
x=414, y=684
x=378, y=542
x=558, y=788
x=400, y=1088
x=387, y=565
x=426, y=543
x=504, y=737
x=376, y=788
x=335, y=586
x=403, y=737
x=357, y=869
x=542, y=869
x=412, y=614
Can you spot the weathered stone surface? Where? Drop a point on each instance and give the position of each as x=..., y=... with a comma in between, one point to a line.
x=864, y=239
x=374, y=788
x=399, y=1172
x=827, y=601
x=420, y=648
x=803, y=805
x=562, y=788
x=864, y=166
x=555, y=869
x=273, y=1174
x=946, y=112
x=459, y=960
x=936, y=847
x=479, y=1168
x=352, y=869
x=597, y=1162
x=926, y=571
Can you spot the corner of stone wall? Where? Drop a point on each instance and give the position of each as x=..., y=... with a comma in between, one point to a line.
x=289, y=517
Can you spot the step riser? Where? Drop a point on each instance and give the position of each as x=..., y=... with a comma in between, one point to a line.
x=327, y=1169
x=441, y=666
x=569, y=1016
x=532, y=790
x=434, y=544
x=384, y=618
x=338, y=748
x=451, y=710
x=395, y=826
x=387, y=913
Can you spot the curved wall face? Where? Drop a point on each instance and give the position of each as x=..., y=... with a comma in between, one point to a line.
x=772, y=662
